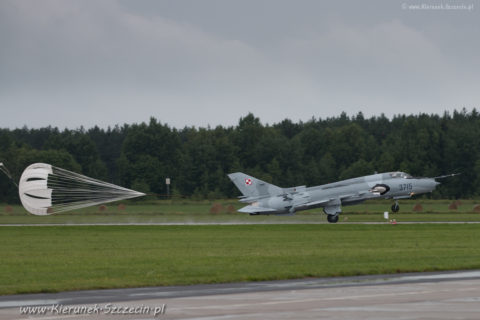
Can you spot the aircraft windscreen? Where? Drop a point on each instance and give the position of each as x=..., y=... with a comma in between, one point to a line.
x=400, y=175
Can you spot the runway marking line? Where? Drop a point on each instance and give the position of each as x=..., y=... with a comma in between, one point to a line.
x=319, y=299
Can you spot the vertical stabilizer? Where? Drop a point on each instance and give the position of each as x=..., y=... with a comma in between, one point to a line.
x=252, y=187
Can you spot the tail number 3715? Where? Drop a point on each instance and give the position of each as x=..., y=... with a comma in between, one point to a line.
x=405, y=186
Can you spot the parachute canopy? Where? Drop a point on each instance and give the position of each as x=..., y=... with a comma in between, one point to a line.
x=45, y=189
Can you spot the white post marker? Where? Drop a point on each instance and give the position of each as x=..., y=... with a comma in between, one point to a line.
x=167, y=182
x=385, y=215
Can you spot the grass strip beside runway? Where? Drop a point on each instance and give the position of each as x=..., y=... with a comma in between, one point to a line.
x=49, y=259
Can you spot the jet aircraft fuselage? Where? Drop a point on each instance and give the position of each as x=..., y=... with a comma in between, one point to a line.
x=265, y=198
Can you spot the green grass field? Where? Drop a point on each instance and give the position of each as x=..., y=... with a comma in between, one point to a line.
x=58, y=258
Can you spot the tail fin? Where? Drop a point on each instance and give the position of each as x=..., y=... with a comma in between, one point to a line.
x=252, y=187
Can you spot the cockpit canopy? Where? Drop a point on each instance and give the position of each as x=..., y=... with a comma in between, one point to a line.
x=399, y=174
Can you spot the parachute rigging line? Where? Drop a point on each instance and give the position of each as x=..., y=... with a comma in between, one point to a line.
x=45, y=189
x=7, y=173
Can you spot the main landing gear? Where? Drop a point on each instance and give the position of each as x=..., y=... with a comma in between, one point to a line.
x=395, y=206
x=332, y=218
x=333, y=211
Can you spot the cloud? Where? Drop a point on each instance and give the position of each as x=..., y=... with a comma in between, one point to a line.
x=72, y=63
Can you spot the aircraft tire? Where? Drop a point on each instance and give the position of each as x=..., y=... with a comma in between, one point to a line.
x=395, y=207
x=332, y=218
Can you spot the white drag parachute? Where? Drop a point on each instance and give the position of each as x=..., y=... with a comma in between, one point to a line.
x=45, y=189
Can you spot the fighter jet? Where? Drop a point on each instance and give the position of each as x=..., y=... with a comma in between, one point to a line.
x=265, y=198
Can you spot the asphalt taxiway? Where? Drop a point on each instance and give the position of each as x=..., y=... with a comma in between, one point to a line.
x=441, y=295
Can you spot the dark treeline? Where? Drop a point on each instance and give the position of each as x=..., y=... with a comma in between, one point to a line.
x=141, y=156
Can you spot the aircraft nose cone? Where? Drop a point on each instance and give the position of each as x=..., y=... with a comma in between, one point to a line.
x=431, y=184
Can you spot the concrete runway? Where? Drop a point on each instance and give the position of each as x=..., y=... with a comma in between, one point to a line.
x=442, y=295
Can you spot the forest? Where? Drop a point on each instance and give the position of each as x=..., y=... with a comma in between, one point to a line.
x=197, y=160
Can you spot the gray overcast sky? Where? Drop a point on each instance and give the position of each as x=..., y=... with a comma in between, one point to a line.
x=69, y=63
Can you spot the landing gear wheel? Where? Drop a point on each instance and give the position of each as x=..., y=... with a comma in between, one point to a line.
x=395, y=207
x=332, y=218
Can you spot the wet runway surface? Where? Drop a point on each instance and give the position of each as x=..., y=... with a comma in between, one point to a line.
x=223, y=223
x=442, y=295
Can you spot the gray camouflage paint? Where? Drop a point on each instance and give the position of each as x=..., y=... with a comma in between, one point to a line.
x=265, y=198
